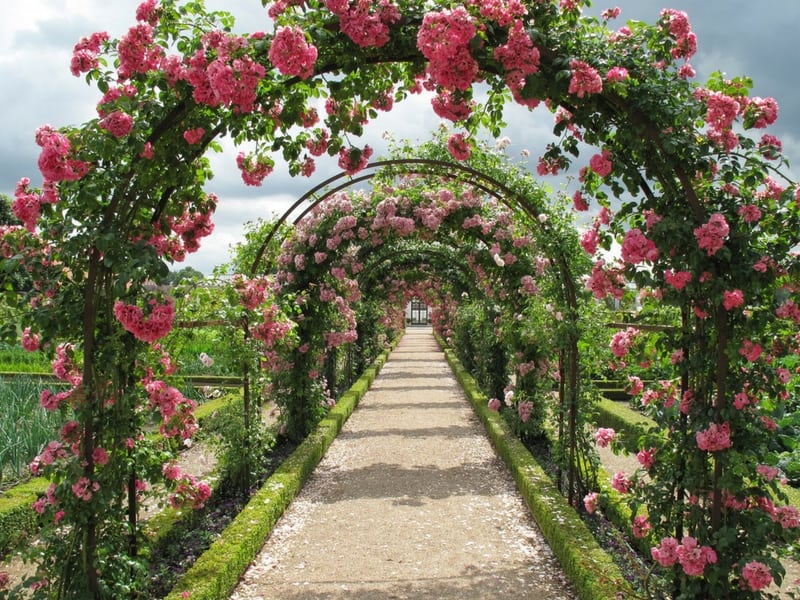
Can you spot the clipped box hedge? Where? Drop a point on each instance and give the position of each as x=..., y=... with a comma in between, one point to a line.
x=17, y=519
x=589, y=568
x=622, y=418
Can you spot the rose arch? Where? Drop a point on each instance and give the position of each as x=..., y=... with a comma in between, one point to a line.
x=702, y=214
x=521, y=238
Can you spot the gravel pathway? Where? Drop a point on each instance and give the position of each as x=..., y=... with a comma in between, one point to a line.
x=410, y=501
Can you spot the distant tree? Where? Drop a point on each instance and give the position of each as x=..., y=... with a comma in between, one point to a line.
x=6, y=214
x=184, y=275
x=243, y=254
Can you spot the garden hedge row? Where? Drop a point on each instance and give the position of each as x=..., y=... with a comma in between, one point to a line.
x=18, y=519
x=217, y=571
x=622, y=418
x=589, y=568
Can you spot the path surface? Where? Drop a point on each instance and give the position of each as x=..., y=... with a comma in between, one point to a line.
x=410, y=501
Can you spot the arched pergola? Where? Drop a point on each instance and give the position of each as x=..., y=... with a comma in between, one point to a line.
x=519, y=193
x=710, y=225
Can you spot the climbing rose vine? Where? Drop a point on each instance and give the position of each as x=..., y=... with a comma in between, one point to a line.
x=706, y=218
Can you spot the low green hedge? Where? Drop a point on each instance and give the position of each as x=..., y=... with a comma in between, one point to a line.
x=217, y=571
x=588, y=567
x=623, y=419
x=17, y=518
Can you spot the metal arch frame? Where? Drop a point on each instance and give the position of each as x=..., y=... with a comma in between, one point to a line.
x=569, y=359
x=502, y=193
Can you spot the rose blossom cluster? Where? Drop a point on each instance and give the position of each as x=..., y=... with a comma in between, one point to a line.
x=192, y=226
x=444, y=39
x=271, y=330
x=28, y=203
x=85, y=53
x=677, y=22
x=524, y=410
x=64, y=366
x=220, y=73
x=603, y=282
x=637, y=248
x=54, y=161
x=601, y=163
x=585, y=79
x=176, y=410
x=30, y=341
x=692, y=557
x=254, y=169
x=622, y=341
x=291, y=53
x=590, y=502
x=365, y=22
x=722, y=110
x=519, y=58
x=148, y=328
x=252, y=292
x=353, y=160
x=604, y=436
x=459, y=147
x=188, y=490
x=677, y=279
x=715, y=438
x=137, y=51
x=504, y=12
x=756, y=575
x=711, y=236
x=641, y=527
x=49, y=499
x=452, y=105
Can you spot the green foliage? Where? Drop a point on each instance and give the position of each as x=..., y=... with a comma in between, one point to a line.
x=243, y=444
x=25, y=427
x=6, y=214
x=184, y=275
x=256, y=254
x=14, y=359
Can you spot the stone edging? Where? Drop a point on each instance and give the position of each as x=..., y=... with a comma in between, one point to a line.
x=217, y=571
x=589, y=568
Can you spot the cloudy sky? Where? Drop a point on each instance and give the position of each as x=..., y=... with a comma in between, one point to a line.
x=738, y=37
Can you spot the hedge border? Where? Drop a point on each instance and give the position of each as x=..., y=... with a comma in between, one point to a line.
x=588, y=567
x=216, y=572
x=622, y=418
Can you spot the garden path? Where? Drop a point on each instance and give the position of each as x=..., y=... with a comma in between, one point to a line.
x=410, y=501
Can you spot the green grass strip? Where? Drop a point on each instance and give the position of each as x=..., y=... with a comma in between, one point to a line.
x=589, y=568
x=216, y=572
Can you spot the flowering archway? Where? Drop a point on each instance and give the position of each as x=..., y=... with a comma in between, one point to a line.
x=538, y=222
x=704, y=218
x=417, y=213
